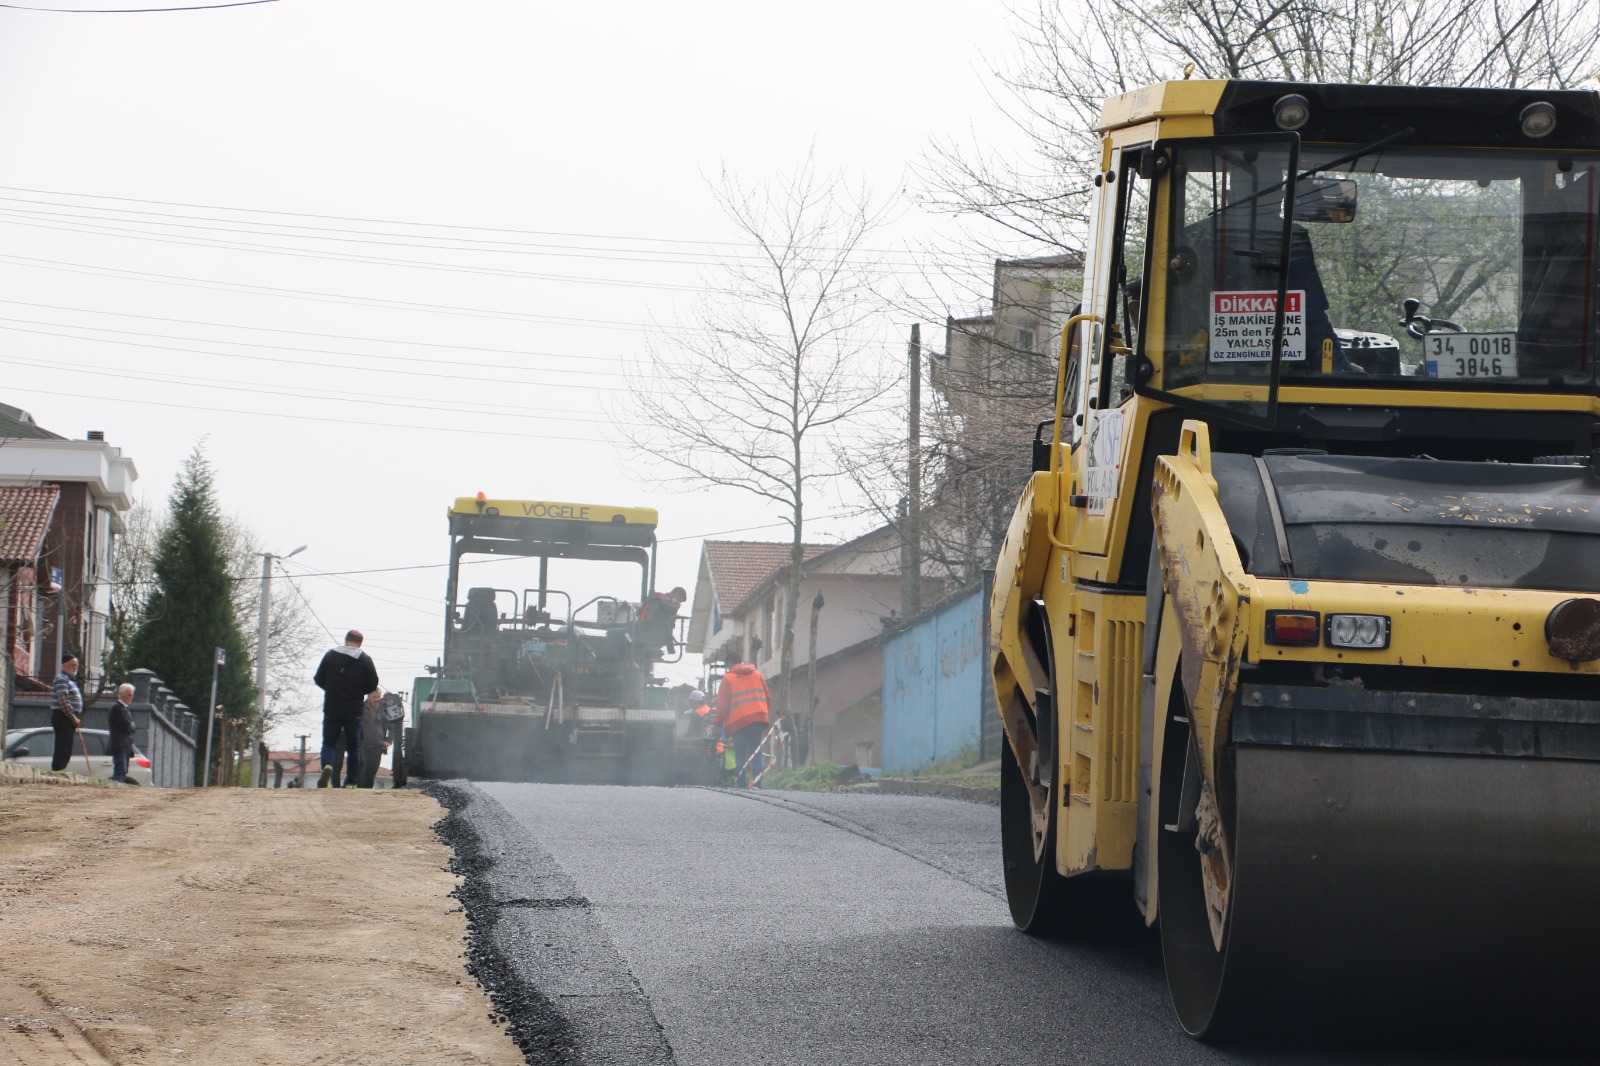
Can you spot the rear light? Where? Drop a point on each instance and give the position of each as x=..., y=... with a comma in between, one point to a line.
x=1296, y=629
x=1364, y=632
x=140, y=760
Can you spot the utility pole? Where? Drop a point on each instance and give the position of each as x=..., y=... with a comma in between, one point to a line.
x=261, y=648
x=807, y=732
x=911, y=574
x=301, y=737
x=218, y=660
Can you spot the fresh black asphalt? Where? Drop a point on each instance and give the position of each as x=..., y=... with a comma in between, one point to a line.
x=705, y=927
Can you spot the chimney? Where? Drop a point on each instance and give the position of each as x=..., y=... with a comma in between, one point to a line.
x=97, y=434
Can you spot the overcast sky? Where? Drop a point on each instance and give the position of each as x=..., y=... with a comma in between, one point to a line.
x=536, y=174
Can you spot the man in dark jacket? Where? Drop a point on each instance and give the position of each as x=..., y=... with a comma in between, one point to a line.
x=121, y=720
x=346, y=675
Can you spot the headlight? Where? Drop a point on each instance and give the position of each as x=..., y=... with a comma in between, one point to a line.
x=1291, y=112
x=1366, y=632
x=1538, y=119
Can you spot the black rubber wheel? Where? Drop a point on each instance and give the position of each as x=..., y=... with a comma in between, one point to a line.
x=1034, y=890
x=1196, y=969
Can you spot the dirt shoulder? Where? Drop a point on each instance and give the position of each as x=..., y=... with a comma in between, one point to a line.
x=223, y=926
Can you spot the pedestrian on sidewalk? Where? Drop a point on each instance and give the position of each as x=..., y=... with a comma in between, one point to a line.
x=744, y=710
x=346, y=676
x=66, y=716
x=121, y=744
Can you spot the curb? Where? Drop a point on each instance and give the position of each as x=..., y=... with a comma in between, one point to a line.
x=970, y=793
x=12, y=773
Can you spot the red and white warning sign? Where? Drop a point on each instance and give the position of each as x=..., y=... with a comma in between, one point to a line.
x=1241, y=326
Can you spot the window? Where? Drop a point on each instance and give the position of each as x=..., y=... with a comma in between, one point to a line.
x=1024, y=340
x=40, y=745
x=1401, y=268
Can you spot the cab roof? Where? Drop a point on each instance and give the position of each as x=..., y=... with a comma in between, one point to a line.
x=1358, y=114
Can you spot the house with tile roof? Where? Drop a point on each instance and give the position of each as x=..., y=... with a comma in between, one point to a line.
x=25, y=515
x=738, y=607
x=71, y=596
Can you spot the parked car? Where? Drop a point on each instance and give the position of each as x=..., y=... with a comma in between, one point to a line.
x=34, y=747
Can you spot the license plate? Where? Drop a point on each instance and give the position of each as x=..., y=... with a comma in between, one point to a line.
x=1470, y=356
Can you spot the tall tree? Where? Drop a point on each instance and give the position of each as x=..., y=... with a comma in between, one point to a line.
x=189, y=611
x=774, y=359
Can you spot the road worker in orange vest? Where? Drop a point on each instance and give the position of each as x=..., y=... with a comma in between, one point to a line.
x=743, y=712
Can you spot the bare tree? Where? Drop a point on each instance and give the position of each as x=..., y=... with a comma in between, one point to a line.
x=1068, y=60
x=774, y=359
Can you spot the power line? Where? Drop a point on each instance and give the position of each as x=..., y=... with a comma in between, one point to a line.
x=326, y=396
x=316, y=418
x=290, y=579
x=355, y=301
x=302, y=333
x=417, y=225
x=16, y=219
x=318, y=351
x=134, y=10
x=78, y=222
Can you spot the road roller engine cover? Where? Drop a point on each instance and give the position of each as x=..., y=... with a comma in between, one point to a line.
x=1296, y=626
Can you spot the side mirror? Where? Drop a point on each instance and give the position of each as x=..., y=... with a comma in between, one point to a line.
x=19, y=753
x=1041, y=445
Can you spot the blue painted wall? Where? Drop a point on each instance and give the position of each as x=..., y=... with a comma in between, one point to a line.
x=933, y=686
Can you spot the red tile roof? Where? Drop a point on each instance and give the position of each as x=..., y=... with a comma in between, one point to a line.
x=740, y=568
x=25, y=513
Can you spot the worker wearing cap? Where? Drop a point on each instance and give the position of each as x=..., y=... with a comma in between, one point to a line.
x=744, y=706
x=657, y=617
x=700, y=713
x=66, y=716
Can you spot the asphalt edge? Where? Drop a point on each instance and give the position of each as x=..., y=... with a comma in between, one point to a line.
x=539, y=1030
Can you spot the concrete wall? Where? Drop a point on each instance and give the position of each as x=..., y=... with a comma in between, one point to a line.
x=934, y=686
x=849, y=722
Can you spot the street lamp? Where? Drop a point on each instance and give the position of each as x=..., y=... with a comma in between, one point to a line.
x=261, y=642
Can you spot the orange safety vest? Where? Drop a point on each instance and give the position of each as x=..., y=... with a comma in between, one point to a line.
x=742, y=698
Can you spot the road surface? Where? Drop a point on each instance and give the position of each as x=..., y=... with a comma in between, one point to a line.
x=707, y=927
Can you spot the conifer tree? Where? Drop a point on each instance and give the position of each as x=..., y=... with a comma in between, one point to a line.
x=189, y=612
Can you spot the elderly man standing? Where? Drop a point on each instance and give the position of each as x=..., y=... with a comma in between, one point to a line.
x=346, y=676
x=122, y=728
x=66, y=715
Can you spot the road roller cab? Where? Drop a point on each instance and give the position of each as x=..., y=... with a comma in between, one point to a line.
x=1297, y=624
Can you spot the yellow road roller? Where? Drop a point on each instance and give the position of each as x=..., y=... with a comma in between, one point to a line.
x=1296, y=626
